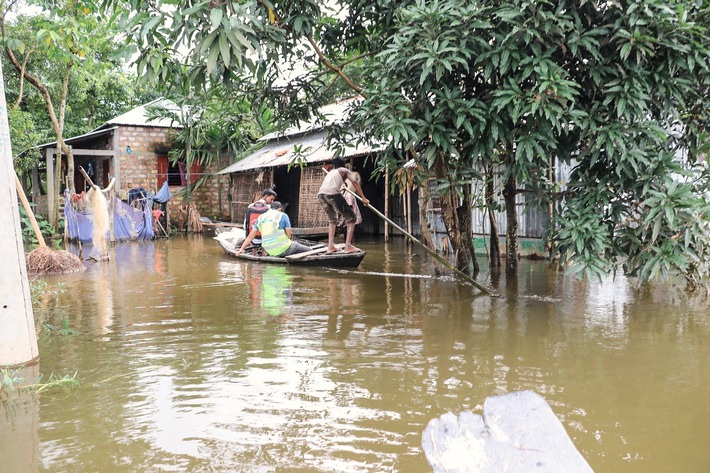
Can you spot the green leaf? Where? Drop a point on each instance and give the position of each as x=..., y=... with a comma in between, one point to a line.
x=216, y=18
x=670, y=216
x=625, y=51
x=225, y=50
x=656, y=229
x=207, y=42
x=212, y=60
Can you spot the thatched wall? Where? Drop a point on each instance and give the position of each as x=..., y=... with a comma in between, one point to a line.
x=246, y=188
x=310, y=213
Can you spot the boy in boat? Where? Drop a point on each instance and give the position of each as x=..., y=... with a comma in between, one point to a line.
x=335, y=205
x=275, y=229
x=256, y=209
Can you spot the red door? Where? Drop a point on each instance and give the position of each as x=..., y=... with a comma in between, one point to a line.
x=162, y=170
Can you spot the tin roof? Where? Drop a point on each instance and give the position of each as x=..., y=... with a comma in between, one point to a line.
x=139, y=117
x=311, y=147
x=332, y=113
x=135, y=117
x=77, y=139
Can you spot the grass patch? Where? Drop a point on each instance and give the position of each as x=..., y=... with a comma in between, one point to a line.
x=11, y=381
x=64, y=330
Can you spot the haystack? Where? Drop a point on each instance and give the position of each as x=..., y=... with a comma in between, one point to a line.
x=44, y=260
x=194, y=224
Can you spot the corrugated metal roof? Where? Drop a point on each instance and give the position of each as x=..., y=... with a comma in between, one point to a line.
x=135, y=117
x=333, y=113
x=281, y=152
x=139, y=117
x=78, y=139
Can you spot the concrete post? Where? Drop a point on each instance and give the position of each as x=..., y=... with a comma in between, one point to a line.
x=18, y=339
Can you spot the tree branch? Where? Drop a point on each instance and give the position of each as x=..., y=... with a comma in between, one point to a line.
x=320, y=54
x=38, y=85
x=333, y=67
x=22, y=80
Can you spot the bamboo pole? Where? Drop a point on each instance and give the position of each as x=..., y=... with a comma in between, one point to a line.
x=28, y=209
x=387, y=204
x=427, y=249
x=91, y=183
x=112, y=211
x=409, y=207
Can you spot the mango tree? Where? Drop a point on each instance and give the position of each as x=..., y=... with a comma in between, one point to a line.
x=617, y=90
x=468, y=89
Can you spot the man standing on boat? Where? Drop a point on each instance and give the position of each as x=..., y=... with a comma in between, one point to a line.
x=335, y=205
x=275, y=229
x=256, y=209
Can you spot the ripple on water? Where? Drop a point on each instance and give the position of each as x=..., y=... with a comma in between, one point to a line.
x=186, y=363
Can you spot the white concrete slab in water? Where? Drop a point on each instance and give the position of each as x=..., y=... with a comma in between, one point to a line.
x=18, y=339
x=517, y=433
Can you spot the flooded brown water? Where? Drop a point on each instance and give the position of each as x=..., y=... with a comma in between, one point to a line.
x=191, y=361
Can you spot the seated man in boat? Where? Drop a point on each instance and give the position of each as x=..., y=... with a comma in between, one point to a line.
x=275, y=229
x=256, y=209
x=335, y=205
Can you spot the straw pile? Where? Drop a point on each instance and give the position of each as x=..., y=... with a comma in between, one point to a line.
x=194, y=224
x=44, y=260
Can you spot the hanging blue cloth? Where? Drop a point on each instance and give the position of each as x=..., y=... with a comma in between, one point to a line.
x=136, y=193
x=129, y=223
x=163, y=194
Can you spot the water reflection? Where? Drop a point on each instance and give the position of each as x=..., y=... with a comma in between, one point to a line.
x=103, y=295
x=191, y=361
x=19, y=424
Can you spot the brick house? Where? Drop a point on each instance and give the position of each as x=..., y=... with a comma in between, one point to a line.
x=135, y=152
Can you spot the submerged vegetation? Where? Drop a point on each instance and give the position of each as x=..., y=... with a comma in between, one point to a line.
x=64, y=329
x=40, y=291
x=12, y=382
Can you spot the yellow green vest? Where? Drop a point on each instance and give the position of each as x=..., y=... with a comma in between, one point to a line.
x=273, y=240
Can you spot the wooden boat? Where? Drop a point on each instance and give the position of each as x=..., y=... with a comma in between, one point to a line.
x=231, y=242
x=311, y=233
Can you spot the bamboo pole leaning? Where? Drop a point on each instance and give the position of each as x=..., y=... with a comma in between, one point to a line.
x=44, y=260
x=434, y=254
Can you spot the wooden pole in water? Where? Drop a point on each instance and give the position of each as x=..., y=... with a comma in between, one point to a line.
x=427, y=249
x=111, y=211
x=18, y=339
x=387, y=203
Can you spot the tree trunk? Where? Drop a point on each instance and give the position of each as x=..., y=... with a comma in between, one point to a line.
x=423, y=202
x=60, y=127
x=459, y=232
x=511, y=262
x=465, y=214
x=57, y=123
x=495, y=241
x=20, y=94
x=54, y=219
x=188, y=165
